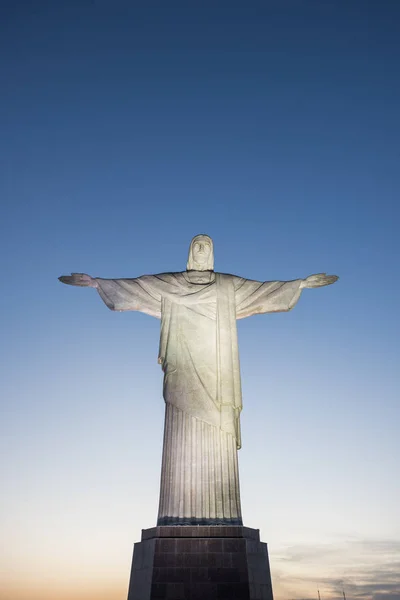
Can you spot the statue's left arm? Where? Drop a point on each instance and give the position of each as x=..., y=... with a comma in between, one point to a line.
x=256, y=297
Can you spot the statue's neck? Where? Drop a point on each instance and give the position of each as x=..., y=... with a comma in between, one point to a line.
x=201, y=277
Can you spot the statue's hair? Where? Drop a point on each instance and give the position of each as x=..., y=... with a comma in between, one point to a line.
x=191, y=265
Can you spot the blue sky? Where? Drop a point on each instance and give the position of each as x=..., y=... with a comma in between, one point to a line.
x=127, y=128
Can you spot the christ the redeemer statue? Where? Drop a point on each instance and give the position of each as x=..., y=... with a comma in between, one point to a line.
x=198, y=353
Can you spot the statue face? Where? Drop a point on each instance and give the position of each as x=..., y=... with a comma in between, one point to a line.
x=201, y=254
x=201, y=251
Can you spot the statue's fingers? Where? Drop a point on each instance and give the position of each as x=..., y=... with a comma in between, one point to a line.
x=330, y=279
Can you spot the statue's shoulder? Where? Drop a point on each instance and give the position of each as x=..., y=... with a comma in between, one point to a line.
x=230, y=276
x=229, y=279
x=172, y=278
x=169, y=275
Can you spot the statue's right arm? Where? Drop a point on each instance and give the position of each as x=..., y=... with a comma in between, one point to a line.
x=140, y=293
x=80, y=279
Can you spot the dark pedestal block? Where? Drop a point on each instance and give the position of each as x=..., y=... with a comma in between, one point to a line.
x=200, y=563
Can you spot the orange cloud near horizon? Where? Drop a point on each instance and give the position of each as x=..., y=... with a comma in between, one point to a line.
x=63, y=591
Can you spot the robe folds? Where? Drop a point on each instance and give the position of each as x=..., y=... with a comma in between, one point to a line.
x=199, y=356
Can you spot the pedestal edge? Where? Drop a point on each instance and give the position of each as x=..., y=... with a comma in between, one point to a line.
x=200, y=531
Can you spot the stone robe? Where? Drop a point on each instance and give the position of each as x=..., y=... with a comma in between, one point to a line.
x=199, y=356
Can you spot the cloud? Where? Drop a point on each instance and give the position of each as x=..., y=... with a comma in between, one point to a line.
x=356, y=547
x=365, y=569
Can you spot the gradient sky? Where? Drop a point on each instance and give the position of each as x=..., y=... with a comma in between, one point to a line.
x=127, y=128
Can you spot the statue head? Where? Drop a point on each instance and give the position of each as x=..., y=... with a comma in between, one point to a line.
x=201, y=254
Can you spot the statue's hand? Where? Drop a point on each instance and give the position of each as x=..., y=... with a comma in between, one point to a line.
x=319, y=280
x=80, y=279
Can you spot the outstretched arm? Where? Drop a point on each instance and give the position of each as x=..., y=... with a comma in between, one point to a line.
x=142, y=293
x=257, y=297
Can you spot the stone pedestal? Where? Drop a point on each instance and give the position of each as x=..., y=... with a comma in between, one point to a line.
x=200, y=563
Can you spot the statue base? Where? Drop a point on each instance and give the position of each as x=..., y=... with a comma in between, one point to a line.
x=200, y=563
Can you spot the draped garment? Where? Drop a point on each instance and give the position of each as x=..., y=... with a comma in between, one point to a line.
x=199, y=356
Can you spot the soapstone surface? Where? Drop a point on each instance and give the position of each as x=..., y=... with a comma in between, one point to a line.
x=199, y=356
